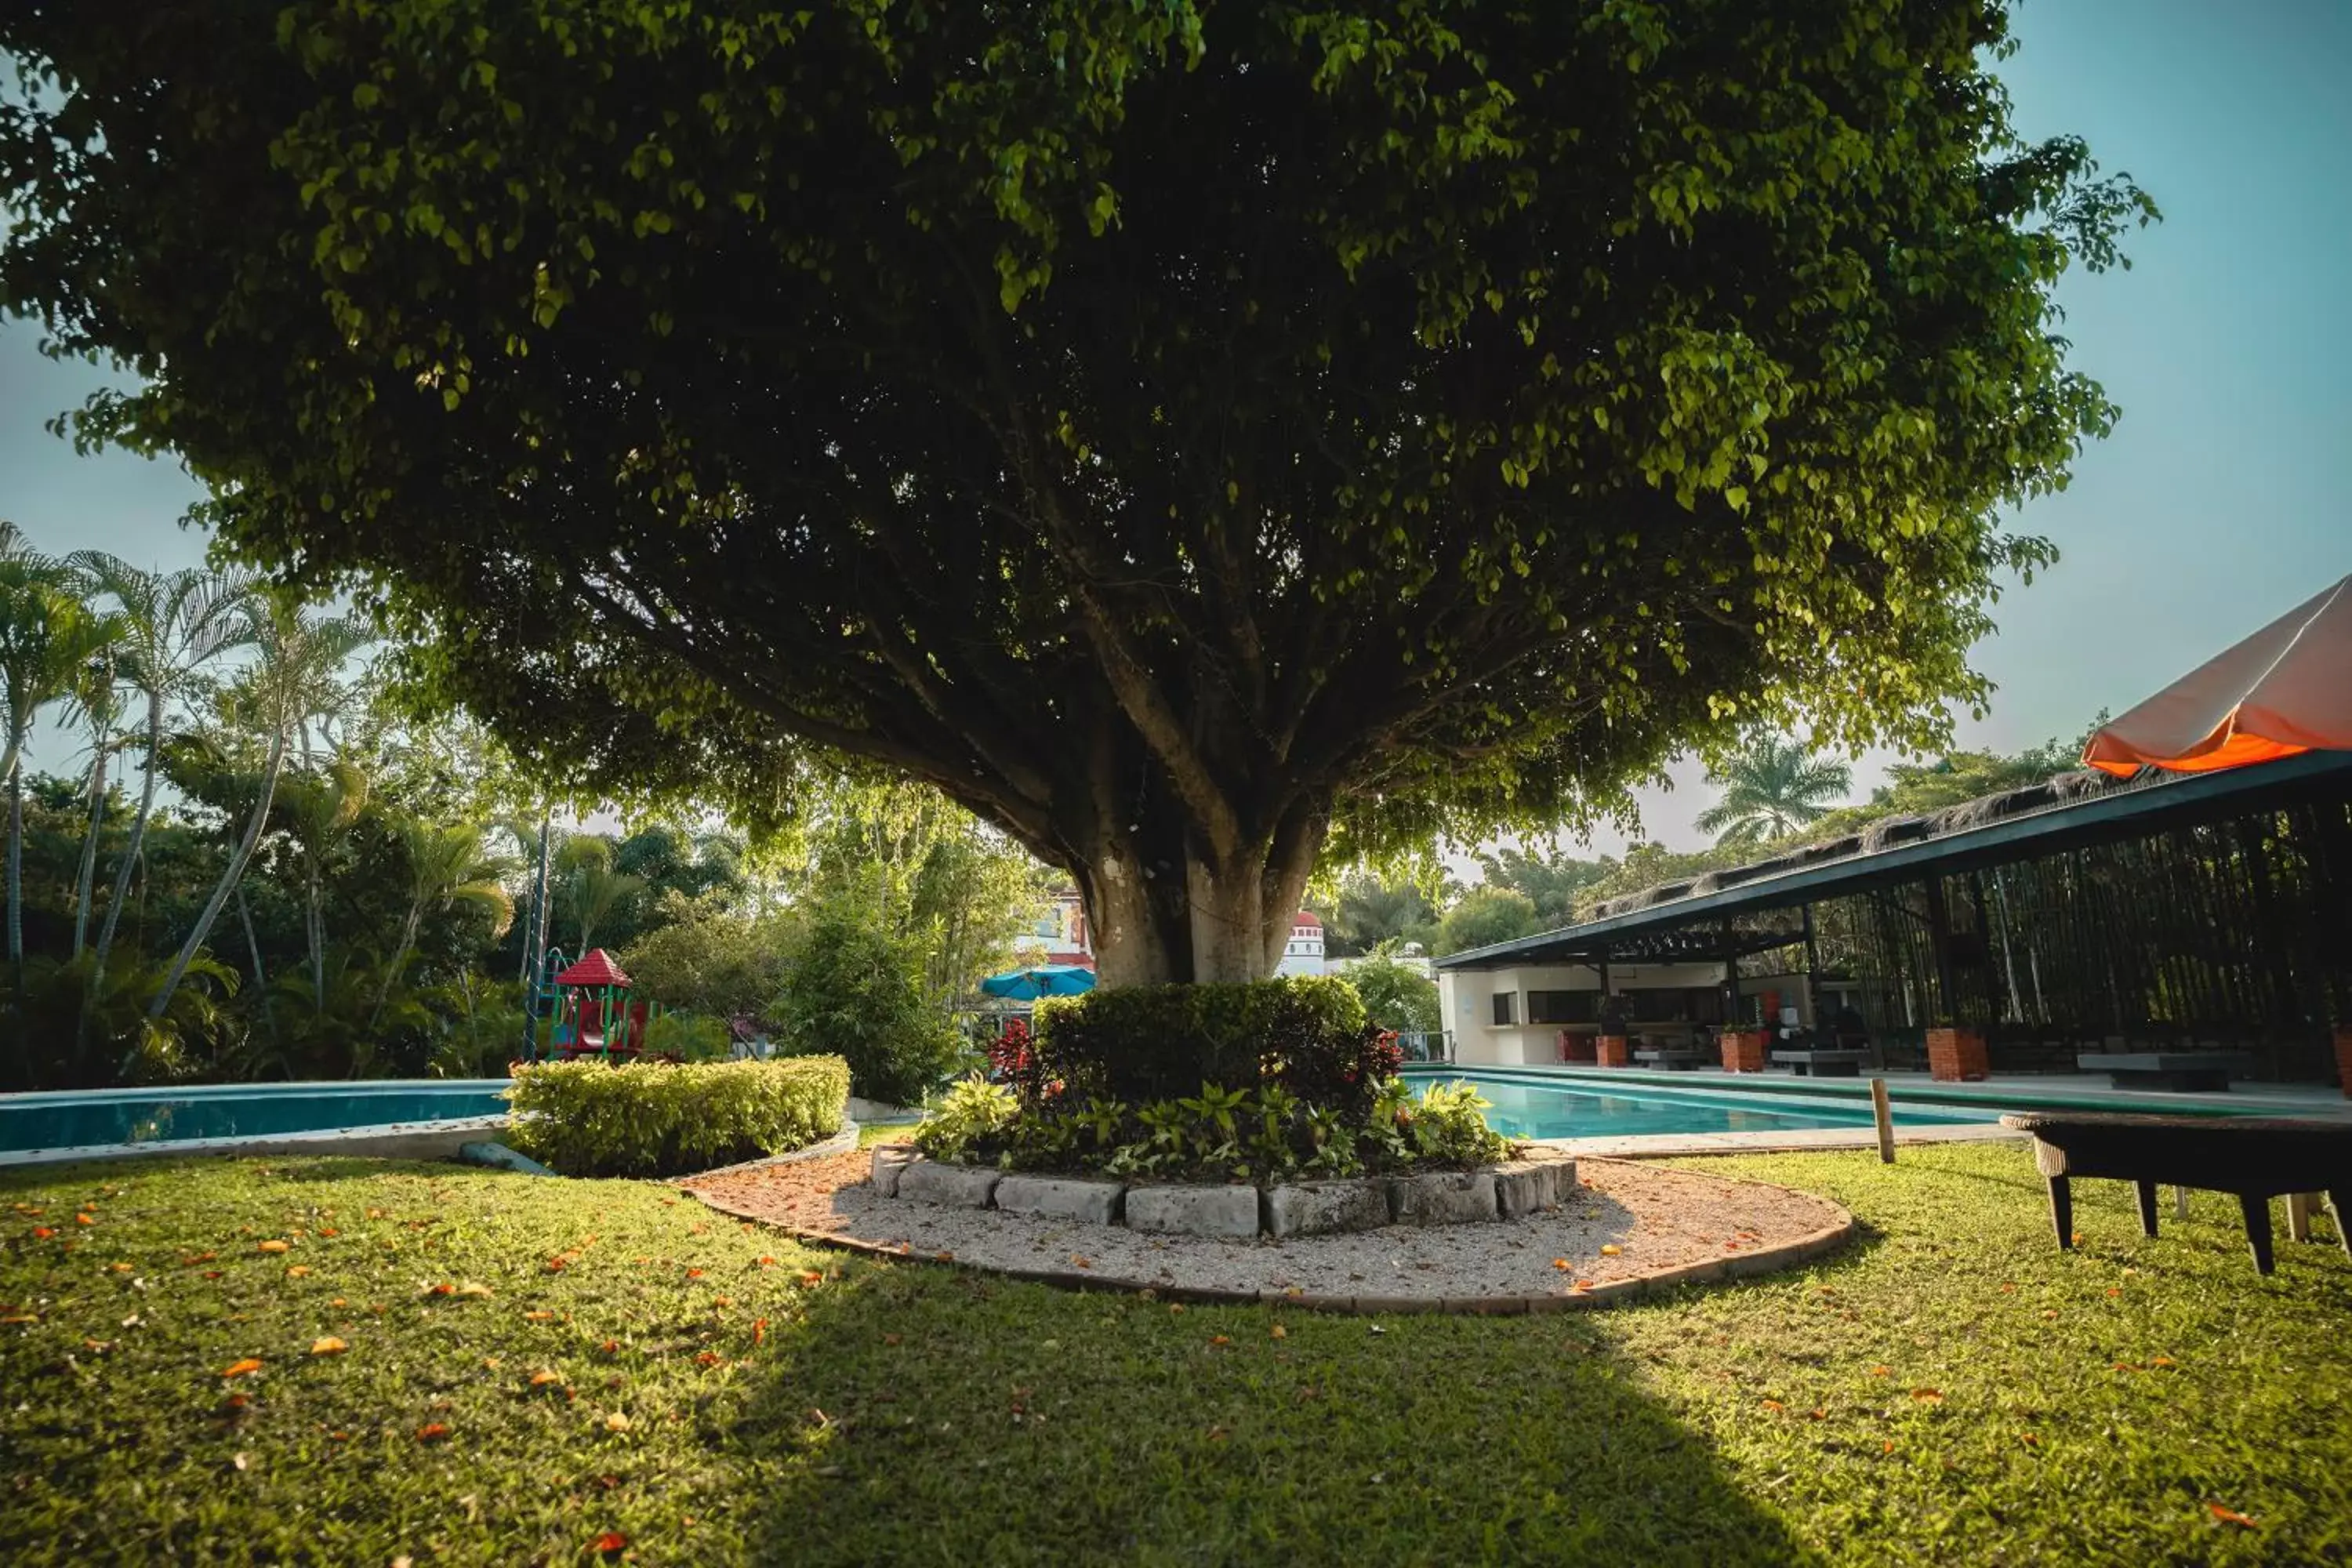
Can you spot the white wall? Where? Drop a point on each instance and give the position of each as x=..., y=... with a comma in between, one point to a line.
x=1466, y=997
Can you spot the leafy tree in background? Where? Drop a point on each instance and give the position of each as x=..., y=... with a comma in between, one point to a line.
x=1395, y=995
x=1191, y=437
x=590, y=889
x=1770, y=790
x=708, y=958
x=1485, y=916
x=855, y=989
x=175, y=626
x=296, y=677
x=1373, y=908
x=48, y=635
x=1552, y=882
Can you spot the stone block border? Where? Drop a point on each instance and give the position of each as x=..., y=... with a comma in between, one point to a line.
x=1805, y=1248
x=1236, y=1213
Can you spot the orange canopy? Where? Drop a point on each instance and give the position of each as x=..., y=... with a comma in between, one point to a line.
x=2284, y=689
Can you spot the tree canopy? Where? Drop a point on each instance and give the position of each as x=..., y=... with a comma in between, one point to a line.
x=1191, y=436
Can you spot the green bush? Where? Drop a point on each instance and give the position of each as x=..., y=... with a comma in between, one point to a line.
x=690, y=1036
x=651, y=1118
x=1141, y=1042
x=971, y=1113
x=1263, y=1135
x=856, y=991
x=1395, y=995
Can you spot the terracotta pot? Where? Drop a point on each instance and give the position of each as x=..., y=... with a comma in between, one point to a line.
x=1743, y=1049
x=1613, y=1051
x=1956, y=1056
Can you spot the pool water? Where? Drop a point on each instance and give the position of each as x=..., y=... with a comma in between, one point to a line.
x=1526, y=1108
x=69, y=1120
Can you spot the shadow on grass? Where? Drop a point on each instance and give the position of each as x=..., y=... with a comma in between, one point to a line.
x=923, y=1414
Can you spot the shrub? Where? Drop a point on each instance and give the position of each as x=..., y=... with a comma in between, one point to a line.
x=1395, y=995
x=1141, y=1042
x=971, y=1113
x=856, y=991
x=650, y=1119
x=690, y=1036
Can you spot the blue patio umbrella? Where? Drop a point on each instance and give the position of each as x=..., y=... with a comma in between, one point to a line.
x=1028, y=984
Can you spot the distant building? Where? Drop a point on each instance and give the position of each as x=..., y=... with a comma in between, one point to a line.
x=1061, y=936
x=1302, y=953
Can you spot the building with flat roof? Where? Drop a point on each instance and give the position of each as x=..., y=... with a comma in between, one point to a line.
x=2083, y=914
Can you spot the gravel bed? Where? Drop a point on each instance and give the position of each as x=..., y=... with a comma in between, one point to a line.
x=1655, y=1220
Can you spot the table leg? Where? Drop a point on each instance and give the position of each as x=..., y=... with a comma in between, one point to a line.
x=2061, y=1211
x=2257, y=1210
x=2298, y=1217
x=2340, y=1203
x=2180, y=1203
x=2147, y=1207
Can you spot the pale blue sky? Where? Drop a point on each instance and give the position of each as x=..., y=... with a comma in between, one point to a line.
x=2215, y=506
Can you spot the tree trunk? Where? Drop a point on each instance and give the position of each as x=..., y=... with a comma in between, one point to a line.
x=1176, y=920
x=399, y=957
x=85, y=884
x=17, y=875
x=227, y=884
x=132, y=848
x=314, y=933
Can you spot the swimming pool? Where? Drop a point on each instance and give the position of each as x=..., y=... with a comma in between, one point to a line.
x=73, y=1118
x=1530, y=1108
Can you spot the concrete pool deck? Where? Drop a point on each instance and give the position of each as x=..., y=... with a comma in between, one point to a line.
x=386, y=1140
x=2001, y=1091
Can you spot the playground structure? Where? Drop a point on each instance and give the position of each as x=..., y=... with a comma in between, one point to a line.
x=592, y=1008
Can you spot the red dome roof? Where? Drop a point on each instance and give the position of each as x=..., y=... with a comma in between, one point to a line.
x=1308, y=918
x=596, y=969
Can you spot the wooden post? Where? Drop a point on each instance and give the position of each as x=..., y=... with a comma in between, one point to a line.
x=1812, y=976
x=2298, y=1217
x=2180, y=1203
x=1884, y=1115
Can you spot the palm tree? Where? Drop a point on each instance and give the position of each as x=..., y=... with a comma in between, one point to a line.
x=97, y=700
x=48, y=638
x=446, y=864
x=296, y=677
x=175, y=624
x=319, y=806
x=591, y=888
x=1773, y=788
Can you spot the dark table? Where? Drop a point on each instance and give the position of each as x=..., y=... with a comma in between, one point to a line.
x=2256, y=1158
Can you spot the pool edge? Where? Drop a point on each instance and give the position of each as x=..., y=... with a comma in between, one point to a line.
x=383, y=1141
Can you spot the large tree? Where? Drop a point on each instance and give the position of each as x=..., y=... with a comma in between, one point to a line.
x=1191, y=435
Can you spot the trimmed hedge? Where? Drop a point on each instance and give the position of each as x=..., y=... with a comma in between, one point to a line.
x=649, y=1118
x=1144, y=1043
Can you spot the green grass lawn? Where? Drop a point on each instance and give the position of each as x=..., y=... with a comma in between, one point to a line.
x=1951, y=1391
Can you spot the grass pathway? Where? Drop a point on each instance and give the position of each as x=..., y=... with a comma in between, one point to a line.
x=614, y=1373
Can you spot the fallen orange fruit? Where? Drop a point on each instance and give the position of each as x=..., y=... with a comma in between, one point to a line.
x=241, y=1367
x=327, y=1344
x=432, y=1432
x=2230, y=1515
x=272, y=1245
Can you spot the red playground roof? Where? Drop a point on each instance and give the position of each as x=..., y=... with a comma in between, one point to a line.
x=596, y=969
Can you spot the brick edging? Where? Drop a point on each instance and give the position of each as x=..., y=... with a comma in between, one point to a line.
x=1745, y=1264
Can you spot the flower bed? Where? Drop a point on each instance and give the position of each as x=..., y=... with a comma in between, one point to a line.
x=1265, y=1083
